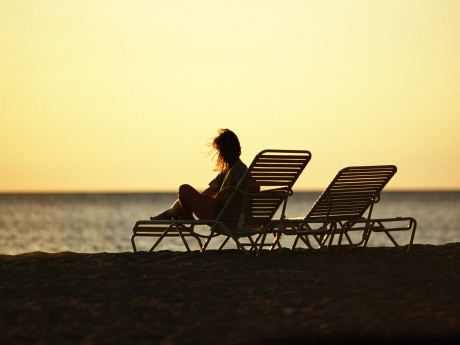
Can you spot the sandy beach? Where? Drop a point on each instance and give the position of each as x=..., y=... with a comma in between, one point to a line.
x=225, y=297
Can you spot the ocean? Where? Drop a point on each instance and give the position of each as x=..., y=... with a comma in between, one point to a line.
x=94, y=223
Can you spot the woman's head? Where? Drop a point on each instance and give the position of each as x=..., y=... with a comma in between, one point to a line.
x=228, y=149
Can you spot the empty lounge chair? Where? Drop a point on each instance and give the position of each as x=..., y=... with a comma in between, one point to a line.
x=351, y=194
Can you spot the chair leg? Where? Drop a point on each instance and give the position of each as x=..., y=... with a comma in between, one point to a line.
x=331, y=239
x=393, y=240
x=254, y=246
x=160, y=238
x=234, y=238
x=348, y=238
x=182, y=237
x=295, y=242
x=306, y=241
x=224, y=242
x=276, y=241
x=343, y=230
x=367, y=234
x=133, y=244
x=203, y=248
x=156, y=243
x=194, y=235
x=262, y=241
x=199, y=241
x=414, y=223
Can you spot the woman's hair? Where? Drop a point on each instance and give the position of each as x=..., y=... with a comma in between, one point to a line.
x=228, y=149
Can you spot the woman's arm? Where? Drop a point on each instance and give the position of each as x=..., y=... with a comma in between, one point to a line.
x=223, y=195
x=209, y=192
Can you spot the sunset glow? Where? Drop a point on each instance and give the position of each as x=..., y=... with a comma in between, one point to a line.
x=124, y=95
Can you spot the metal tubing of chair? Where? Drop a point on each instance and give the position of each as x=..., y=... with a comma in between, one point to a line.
x=257, y=239
x=182, y=236
x=132, y=243
x=208, y=239
x=307, y=228
x=319, y=240
x=280, y=230
x=194, y=235
x=306, y=241
x=371, y=208
x=367, y=231
x=302, y=230
x=276, y=241
x=348, y=238
x=329, y=227
x=224, y=242
x=414, y=223
x=199, y=241
x=262, y=241
x=367, y=234
x=263, y=237
x=377, y=225
x=253, y=244
x=254, y=247
x=295, y=242
x=277, y=238
x=229, y=233
x=283, y=211
x=343, y=228
x=269, y=226
x=296, y=228
x=203, y=248
x=393, y=240
x=325, y=238
x=160, y=238
x=334, y=228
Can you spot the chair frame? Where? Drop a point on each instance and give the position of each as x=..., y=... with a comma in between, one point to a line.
x=246, y=212
x=302, y=229
x=353, y=192
x=168, y=228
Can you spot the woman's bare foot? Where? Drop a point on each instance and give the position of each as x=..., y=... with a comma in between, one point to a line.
x=162, y=216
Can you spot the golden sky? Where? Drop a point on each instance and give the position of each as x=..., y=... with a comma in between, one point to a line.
x=123, y=95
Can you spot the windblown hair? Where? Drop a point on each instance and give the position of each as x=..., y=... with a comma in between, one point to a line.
x=227, y=148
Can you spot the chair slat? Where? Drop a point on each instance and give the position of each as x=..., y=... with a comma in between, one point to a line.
x=352, y=191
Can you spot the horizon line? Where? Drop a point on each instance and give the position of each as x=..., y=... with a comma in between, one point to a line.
x=169, y=191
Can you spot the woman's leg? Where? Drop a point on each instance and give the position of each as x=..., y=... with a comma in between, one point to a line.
x=175, y=211
x=193, y=202
x=190, y=201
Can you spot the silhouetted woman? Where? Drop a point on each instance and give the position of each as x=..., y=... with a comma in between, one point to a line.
x=207, y=205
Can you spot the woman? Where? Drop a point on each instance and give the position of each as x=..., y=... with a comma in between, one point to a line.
x=208, y=204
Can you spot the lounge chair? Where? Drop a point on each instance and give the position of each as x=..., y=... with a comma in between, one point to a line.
x=351, y=194
x=265, y=186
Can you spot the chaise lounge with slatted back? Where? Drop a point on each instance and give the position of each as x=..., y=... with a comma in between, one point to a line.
x=265, y=186
x=353, y=192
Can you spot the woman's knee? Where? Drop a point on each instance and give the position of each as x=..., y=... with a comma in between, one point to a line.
x=186, y=189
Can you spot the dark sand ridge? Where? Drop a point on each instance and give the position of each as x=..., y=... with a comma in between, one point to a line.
x=283, y=297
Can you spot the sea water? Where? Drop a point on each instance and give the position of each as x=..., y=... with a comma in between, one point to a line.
x=92, y=223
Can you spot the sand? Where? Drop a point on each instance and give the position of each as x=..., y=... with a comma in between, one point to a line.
x=224, y=297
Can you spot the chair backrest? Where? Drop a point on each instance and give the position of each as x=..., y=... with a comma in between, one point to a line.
x=352, y=192
x=264, y=187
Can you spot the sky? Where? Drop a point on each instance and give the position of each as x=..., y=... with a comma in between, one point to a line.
x=123, y=95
